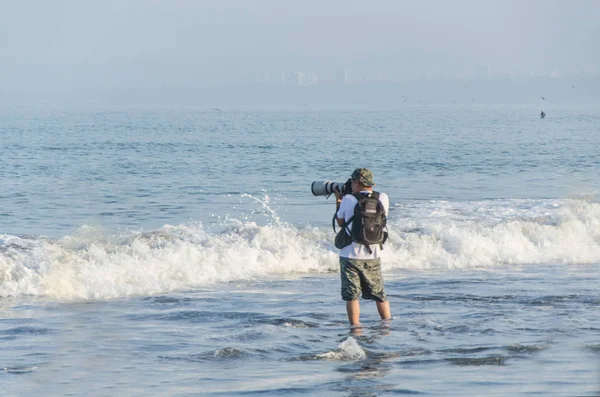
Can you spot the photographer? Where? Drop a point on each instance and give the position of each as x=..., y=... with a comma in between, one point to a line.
x=360, y=264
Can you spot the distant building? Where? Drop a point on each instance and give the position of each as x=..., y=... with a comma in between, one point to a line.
x=289, y=78
x=298, y=79
x=482, y=71
x=342, y=76
x=310, y=79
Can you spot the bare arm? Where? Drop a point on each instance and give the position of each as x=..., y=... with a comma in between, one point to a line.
x=338, y=201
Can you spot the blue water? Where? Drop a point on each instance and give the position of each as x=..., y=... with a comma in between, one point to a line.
x=168, y=251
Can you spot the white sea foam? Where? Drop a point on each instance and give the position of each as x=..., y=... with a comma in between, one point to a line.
x=92, y=264
x=483, y=234
x=349, y=349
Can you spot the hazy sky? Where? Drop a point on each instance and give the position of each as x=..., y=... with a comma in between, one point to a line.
x=46, y=44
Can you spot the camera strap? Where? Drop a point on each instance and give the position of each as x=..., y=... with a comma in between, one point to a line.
x=333, y=221
x=344, y=226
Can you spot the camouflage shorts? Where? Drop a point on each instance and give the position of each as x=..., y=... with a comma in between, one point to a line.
x=362, y=275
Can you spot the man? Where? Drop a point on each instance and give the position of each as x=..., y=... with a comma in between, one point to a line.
x=360, y=265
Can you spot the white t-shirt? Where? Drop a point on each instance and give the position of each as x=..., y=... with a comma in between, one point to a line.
x=346, y=211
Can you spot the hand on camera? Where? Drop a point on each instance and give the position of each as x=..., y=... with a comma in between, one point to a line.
x=338, y=194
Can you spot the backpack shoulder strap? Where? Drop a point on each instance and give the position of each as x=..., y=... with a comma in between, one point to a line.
x=385, y=233
x=346, y=223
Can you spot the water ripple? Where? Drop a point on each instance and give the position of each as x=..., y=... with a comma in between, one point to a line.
x=26, y=330
x=19, y=369
x=464, y=361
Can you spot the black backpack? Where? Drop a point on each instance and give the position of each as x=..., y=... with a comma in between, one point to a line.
x=369, y=223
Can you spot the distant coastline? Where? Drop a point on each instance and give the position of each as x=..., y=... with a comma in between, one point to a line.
x=492, y=90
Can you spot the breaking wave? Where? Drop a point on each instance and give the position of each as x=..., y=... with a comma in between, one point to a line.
x=95, y=264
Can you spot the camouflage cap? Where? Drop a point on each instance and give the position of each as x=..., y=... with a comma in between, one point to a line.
x=364, y=176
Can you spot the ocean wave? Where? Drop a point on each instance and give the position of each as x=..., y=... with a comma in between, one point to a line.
x=94, y=264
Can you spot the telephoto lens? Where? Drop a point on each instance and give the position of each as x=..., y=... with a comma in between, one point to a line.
x=325, y=188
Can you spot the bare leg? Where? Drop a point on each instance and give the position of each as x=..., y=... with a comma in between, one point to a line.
x=384, y=310
x=353, y=309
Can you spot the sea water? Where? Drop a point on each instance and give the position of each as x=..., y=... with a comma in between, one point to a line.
x=180, y=252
